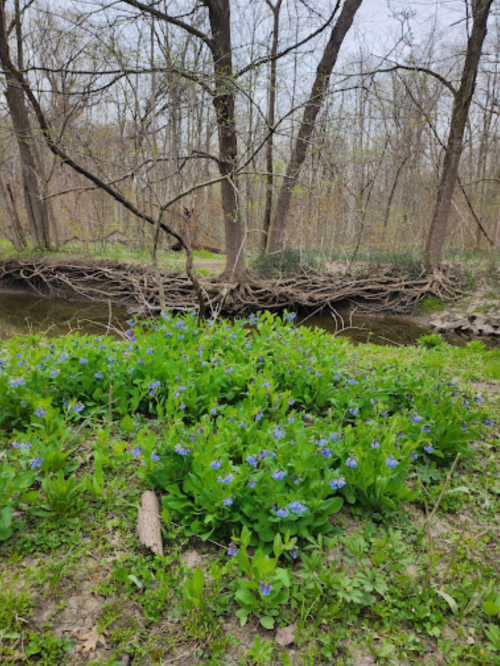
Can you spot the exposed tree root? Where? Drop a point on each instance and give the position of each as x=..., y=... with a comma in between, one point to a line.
x=388, y=291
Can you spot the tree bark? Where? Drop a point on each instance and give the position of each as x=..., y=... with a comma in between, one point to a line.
x=318, y=94
x=35, y=210
x=460, y=113
x=224, y=103
x=271, y=112
x=16, y=232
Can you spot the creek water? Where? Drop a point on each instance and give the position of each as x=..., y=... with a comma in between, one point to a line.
x=21, y=315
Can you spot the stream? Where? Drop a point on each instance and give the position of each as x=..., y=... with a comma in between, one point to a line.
x=22, y=314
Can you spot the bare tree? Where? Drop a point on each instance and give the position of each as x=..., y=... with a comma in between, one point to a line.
x=36, y=210
x=458, y=122
x=311, y=110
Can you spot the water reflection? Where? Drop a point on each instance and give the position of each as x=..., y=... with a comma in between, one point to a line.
x=21, y=314
x=376, y=330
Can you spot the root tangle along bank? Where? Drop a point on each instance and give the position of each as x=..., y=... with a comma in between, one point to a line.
x=390, y=291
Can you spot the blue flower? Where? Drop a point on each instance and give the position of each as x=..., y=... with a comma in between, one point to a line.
x=252, y=483
x=98, y=375
x=83, y=361
x=36, y=463
x=19, y=381
x=416, y=418
x=375, y=444
x=54, y=373
x=488, y=422
x=294, y=553
x=391, y=462
x=335, y=484
x=291, y=402
x=181, y=450
x=326, y=453
x=252, y=460
x=354, y=410
x=463, y=426
x=216, y=464
x=335, y=436
x=278, y=475
x=428, y=448
x=226, y=480
x=478, y=399
x=351, y=382
x=136, y=451
x=227, y=502
x=351, y=462
x=40, y=412
x=154, y=385
x=297, y=507
x=259, y=416
x=282, y=513
x=232, y=551
x=414, y=455
x=78, y=407
x=265, y=588
x=155, y=456
x=425, y=428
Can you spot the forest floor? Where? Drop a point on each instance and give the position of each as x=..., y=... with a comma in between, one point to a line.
x=387, y=587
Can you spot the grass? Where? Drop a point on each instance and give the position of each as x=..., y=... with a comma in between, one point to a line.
x=354, y=568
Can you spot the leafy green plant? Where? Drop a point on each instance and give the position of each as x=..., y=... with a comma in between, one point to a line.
x=47, y=648
x=267, y=586
x=13, y=487
x=62, y=497
x=261, y=652
x=193, y=591
x=431, y=341
x=15, y=603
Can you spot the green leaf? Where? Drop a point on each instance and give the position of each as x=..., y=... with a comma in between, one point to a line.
x=267, y=622
x=449, y=600
x=243, y=615
x=6, y=523
x=245, y=599
x=126, y=424
x=491, y=608
x=135, y=580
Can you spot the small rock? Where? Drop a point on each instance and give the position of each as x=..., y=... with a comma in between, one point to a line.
x=462, y=324
x=412, y=571
x=486, y=329
x=362, y=658
x=449, y=633
x=286, y=635
x=192, y=559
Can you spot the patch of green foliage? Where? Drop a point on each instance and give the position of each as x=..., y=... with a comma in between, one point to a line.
x=262, y=440
x=287, y=263
x=431, y=304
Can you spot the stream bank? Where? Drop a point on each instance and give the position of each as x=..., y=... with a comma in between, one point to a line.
x=367, y=290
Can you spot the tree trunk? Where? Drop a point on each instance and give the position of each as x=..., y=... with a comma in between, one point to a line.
x=318, y=93
x=271, y=111
x=454, y=147
x=35, y=210
x=15, y=229
x=224, y=103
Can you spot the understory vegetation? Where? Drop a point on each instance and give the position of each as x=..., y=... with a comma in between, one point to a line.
x=320, y=502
